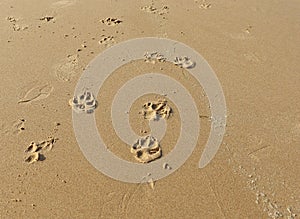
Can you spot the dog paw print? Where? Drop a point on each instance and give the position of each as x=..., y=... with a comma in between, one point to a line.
x=154, y=56
x=184, y=62
x=155, y=110
x=85, y=102
x=146, y=149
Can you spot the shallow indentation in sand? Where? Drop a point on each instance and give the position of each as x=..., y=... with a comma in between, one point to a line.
x=155, y=110
x=153, y=10
x=41, y=145
x=205, y=5
x=15, y=26
x=63, y=3
x=16, y=127
x=34, y=157
x=146, y=149
x=35, y=92
x=19, y=126
x=68, y=68
x=107, y=41
x=85, y=102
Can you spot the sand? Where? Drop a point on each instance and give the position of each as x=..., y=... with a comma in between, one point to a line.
x=252, y=46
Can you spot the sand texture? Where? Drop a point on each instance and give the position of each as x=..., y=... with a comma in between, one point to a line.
x=252, y=46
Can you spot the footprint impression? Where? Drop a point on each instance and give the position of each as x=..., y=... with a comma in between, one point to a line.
x=35, y=92
x=107, y=41
x=184, y=62
x=111, y=21
x=154, y=57
x=19, y=126
x=147, y=148
x=85, y=102
x=68, y=68
x=153, y=10
x=15, y=25
x=36, y=149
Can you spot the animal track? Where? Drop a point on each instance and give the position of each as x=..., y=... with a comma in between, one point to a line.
x=34, y=157
x=85, y=102
x=35, y=93
x=107, y=41
x=248, y=29
x=16, y=27
x=205, y=6
x=146, y=149
x=15, y=128
x=153, y=10
x=19, y=126
x=11, y=19
x=156, y=109
x=152, y=57
x=111, y=21
x=68, y=69
x=35, y=149
x=184, y=62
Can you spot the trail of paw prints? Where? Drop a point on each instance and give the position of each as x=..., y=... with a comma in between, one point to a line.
x=180, y=61
x=35, y=151
x=161, y=16
x=147, y=148
x=15, y=25
x=35, y=92
x=68, y=68
x=265, y=200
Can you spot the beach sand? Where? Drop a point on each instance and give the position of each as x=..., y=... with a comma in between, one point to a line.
x=253, y=47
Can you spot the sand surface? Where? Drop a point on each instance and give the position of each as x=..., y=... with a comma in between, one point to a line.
x=253, y=47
